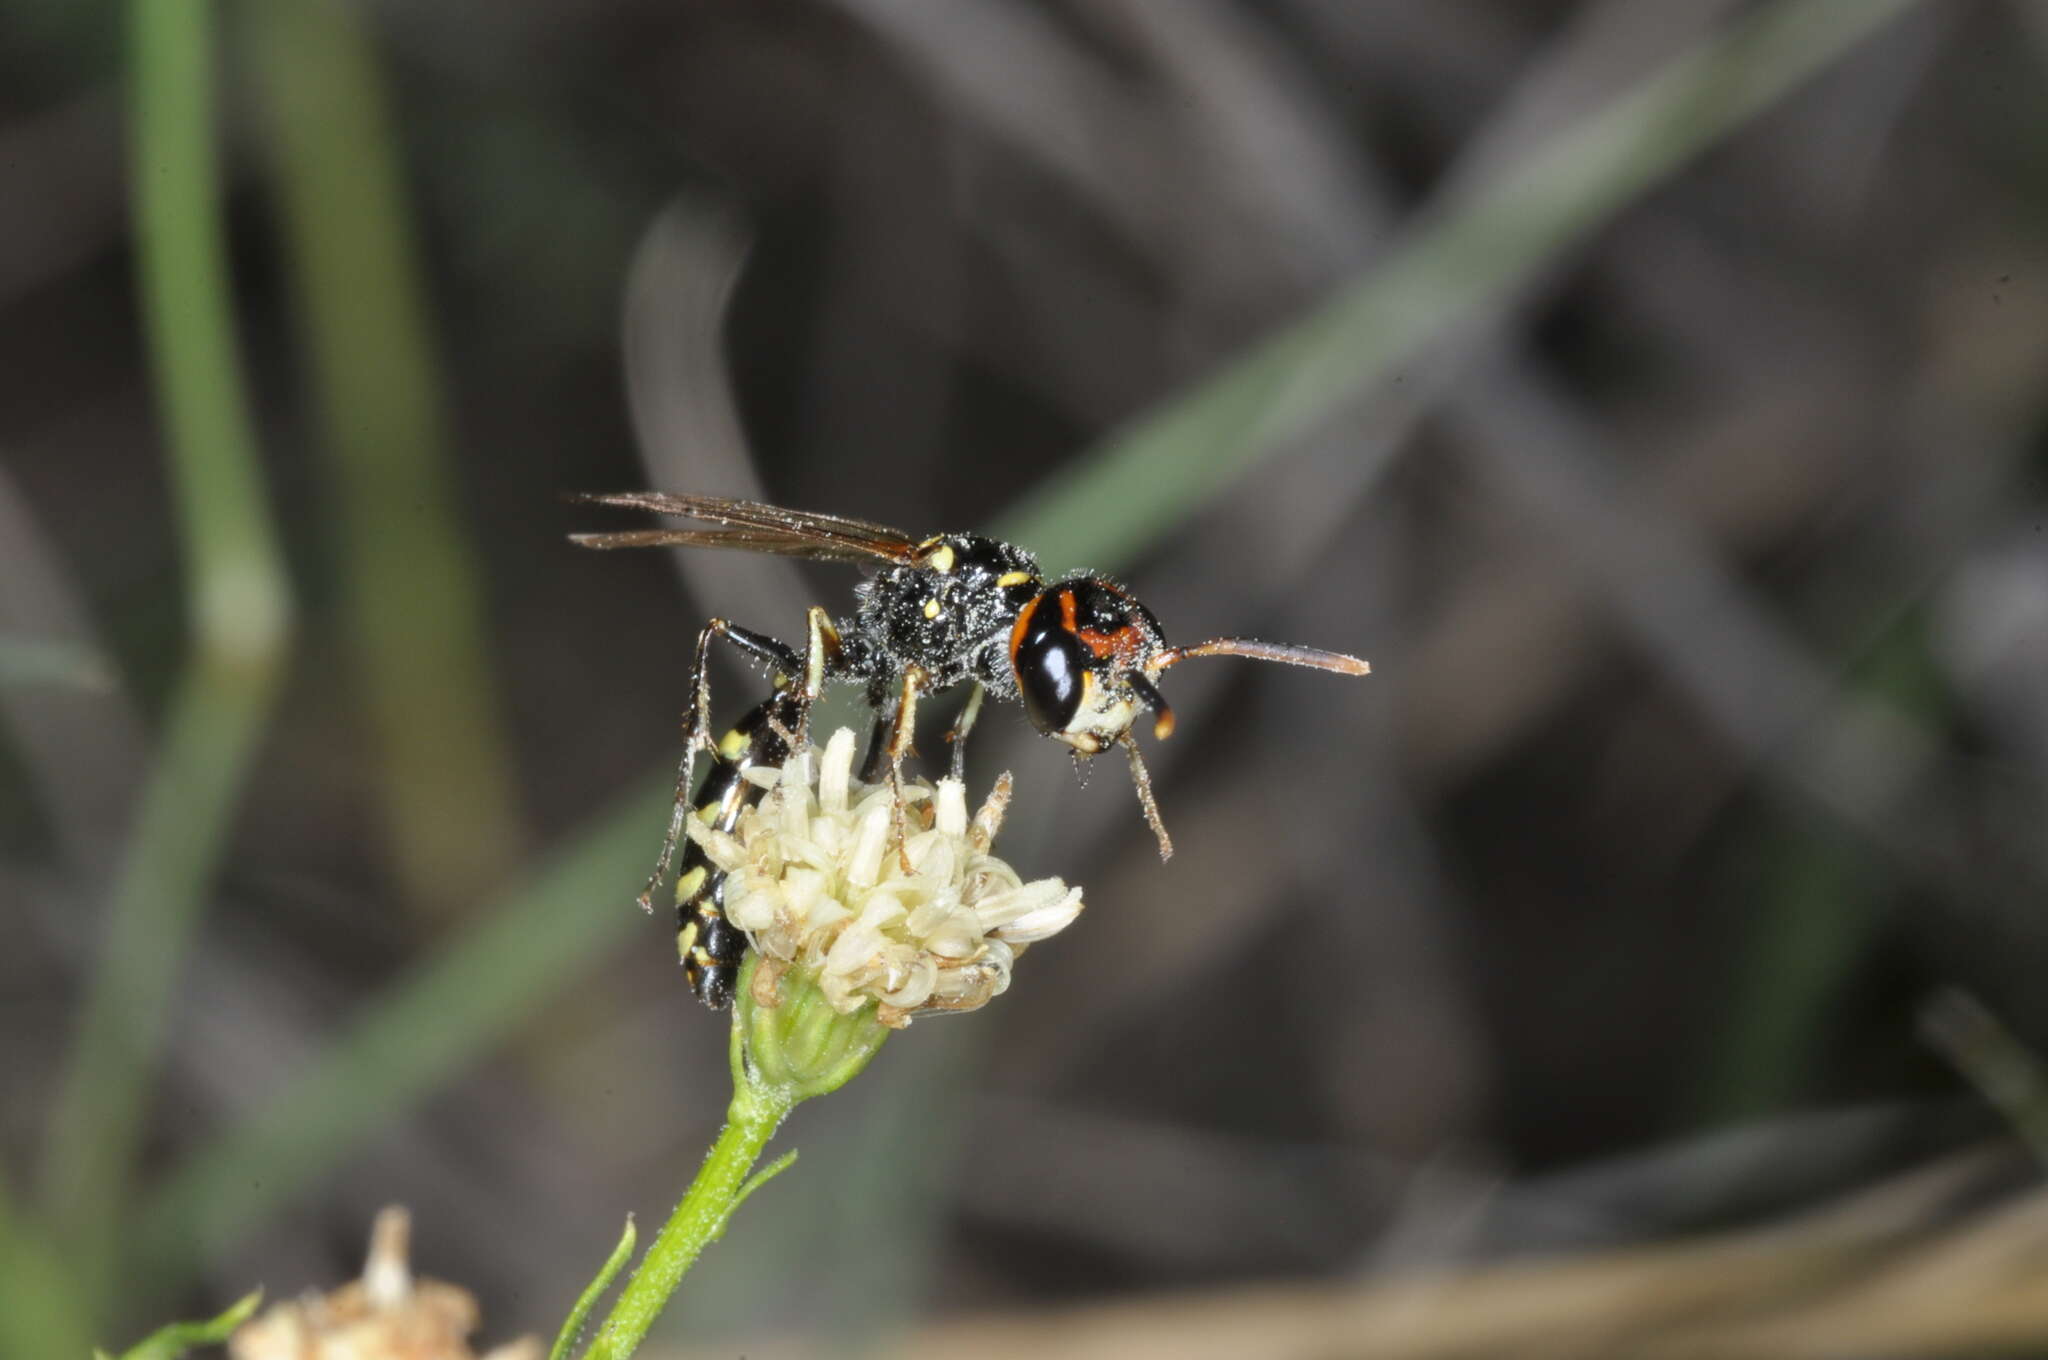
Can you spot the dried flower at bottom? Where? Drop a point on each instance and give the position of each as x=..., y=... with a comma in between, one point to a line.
x=386, y=1315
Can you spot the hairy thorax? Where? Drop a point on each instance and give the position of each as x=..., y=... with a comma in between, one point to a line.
x=950, y=615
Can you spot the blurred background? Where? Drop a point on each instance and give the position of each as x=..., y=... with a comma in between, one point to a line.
x=1644, y=960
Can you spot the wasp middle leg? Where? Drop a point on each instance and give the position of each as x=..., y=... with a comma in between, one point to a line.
x=902, y=728
x=823, y=658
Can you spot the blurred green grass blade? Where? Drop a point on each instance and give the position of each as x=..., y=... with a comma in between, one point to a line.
x=408, y=568
x=1822, y=900
x=1820, y=904
x=499, y=974
x=2011, y=1078
x=1109, y=507
x=240, y=609
x=55, y=662
x=41, y=1312
x=179, y=1338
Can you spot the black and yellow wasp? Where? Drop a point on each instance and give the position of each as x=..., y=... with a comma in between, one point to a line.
x=1081, y=653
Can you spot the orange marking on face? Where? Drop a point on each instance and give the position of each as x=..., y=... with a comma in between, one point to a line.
x=1123, y=642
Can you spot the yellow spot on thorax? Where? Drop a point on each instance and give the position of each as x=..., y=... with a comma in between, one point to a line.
x=931, y=608
x=1014, y=578
x=941, y=559
x=732, y=743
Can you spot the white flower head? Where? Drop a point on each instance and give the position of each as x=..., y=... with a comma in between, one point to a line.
x=814, y=879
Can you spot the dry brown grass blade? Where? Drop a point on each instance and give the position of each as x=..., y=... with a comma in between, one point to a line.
x=1875, y=1271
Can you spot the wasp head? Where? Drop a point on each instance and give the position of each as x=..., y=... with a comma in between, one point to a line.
x=1085, y=655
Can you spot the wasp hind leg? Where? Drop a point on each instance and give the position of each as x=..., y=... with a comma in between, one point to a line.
x=697, y=731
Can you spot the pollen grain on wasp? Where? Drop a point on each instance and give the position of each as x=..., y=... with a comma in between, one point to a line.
x=812, y=879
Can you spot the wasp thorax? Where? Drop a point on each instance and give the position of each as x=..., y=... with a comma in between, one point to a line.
x=942, y=611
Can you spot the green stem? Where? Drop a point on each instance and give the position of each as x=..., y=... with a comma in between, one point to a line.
x=240, y=610
x=42, y=1309
x=572, y=1328
x=757, y=1111
x=781, y=1055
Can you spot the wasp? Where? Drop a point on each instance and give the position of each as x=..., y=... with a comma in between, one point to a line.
x=1081, y=654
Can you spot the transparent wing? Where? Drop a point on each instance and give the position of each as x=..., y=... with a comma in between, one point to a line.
x=753, y=527
x=786, y=545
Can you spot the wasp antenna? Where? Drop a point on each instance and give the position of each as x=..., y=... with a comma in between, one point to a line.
x=1267, y=651
x=1162, y=719
x=1143, y=781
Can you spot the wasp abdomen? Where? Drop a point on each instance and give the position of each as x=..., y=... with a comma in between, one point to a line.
x=711, y=947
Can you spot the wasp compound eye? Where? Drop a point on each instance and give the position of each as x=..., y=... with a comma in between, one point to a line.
x=1051, y=665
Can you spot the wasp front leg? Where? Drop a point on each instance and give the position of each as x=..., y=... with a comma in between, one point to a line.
x=1142, y=781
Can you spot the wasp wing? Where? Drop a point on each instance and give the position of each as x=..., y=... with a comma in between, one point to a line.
x=755, y=527
x=786, y=545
